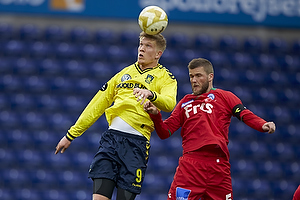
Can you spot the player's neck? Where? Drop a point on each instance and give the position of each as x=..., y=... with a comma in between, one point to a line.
x=149, y=66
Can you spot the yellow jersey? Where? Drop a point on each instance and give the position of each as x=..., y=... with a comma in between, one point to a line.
x=116, y=98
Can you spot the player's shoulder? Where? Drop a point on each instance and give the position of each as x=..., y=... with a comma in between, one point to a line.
x=221, y=91
x=225, y=94
x=164, y=71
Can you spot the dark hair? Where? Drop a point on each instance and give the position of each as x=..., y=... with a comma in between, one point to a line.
x=158, y=38
x=201, y=62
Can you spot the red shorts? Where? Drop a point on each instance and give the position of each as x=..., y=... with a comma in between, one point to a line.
x=202, y=174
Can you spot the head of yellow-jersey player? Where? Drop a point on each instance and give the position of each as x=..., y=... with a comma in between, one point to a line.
x=151, y=48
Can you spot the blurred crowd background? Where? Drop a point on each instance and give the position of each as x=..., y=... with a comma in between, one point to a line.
x=55, y=55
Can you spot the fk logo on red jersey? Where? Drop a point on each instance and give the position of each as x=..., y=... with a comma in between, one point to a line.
x=194, y=109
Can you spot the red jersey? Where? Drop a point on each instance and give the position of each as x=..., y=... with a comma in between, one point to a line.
x=204, y=119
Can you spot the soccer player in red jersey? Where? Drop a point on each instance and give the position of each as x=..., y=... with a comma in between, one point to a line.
x=204, y=117
x=297, y=194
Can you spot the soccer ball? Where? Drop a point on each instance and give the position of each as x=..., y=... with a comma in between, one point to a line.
x=153, y=20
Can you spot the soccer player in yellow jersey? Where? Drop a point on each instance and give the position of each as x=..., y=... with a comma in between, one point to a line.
x=122, y=157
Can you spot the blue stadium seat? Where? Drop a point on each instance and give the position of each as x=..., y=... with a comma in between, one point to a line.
x=277, y=46
x=165, y=163
x=58, y=161
x=73, y=104
x=66, y=50
x=289, y=63
x=29, y=158
x=80, y=35
x=30, y=32
x=243, y=168
x=244, y=93
x=284, y=188
x=257, y=150
x=54, y=194
x=54, y=33
x=62, y=84
x=259, y=188
x=82, y=159
x=36, y=84
x=228, y=43
x=40, y=49
x=157, y=182
x=271, y=170
x=238, y=186
x=50, y=67
x=7, y=32
x=204, y=42
x=284, y=152
x=169, y=57
x=241, y=60
x=14, y=176
x=105, y=36
x=33, y=120
x=4, y=102
x=27, y=193
x=102, y=70
x=48, y=102
x=75, y=69
x=253, y=44
x=129, y=38
x=73, y=179
x=21, y=101
x=92, y=52
x=219, y=59
x=60, y=122
x=180, y=73
x=267, y=62
x=9, y=119
x=265, y=95
x=296, y=47
x=14, y=48
x=24, y=66
x=178, y=40
x=7, y=194
x=7, y=155
x=5, y=65
x=186, y=55
x=119, y=54
x=87, y=86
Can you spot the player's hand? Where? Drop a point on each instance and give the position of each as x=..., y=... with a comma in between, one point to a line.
x=141, y=94
x=150, y=108
x=269, y=127
x=63, y=144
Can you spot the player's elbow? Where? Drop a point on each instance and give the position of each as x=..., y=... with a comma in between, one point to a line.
x=170, y=106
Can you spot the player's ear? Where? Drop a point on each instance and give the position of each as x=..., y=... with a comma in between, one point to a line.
x=210, y=77
x=158, y=54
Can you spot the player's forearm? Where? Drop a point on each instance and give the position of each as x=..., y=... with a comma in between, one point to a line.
x=161, y=129
x=253, y=120
x=164, y=102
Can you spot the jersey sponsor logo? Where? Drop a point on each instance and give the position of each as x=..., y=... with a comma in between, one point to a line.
x=125, y=77
x=186, y=103
x=149, y=79
x=205, y=107
x=182, y=194
x=211, y=96
x=104, y=87
x=131, y=85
